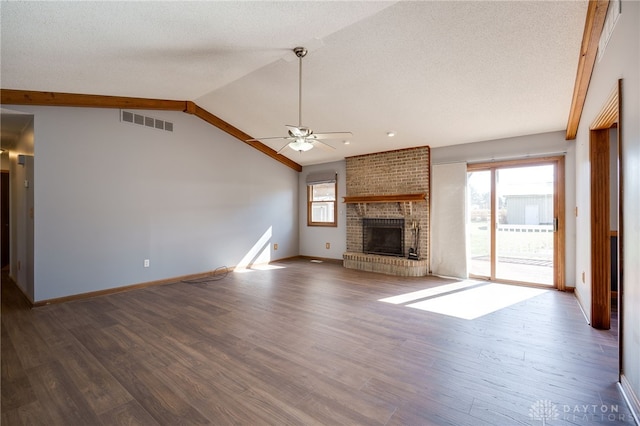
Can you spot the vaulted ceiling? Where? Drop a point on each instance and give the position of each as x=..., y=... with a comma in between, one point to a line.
x=435, y=73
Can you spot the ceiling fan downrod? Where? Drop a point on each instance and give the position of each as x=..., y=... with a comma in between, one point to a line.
x=300, y=52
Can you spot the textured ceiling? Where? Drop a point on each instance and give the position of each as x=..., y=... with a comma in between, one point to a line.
x=436, y=73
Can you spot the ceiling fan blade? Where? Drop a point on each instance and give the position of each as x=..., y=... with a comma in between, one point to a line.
x=330, y=135
x=283, y=148
x=323, y=145
x=269, y=138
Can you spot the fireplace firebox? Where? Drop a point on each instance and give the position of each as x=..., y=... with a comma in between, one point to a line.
x=383, y=236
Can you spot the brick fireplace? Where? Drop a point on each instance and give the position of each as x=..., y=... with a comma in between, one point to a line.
x=387, y=187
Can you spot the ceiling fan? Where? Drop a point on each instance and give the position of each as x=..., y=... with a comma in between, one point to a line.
x=301, y=138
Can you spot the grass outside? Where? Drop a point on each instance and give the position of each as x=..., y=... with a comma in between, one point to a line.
x=511, y=244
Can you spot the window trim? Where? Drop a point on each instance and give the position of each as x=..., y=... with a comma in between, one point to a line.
x=310, y=206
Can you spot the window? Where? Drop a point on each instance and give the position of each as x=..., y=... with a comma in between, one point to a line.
x=321, y=200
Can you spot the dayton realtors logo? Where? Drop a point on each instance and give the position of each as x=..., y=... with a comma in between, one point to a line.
x=546, y=411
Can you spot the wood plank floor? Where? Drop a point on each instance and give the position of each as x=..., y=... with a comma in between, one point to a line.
x=304, y=344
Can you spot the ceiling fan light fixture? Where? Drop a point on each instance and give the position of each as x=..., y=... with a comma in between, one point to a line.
x=301, y=145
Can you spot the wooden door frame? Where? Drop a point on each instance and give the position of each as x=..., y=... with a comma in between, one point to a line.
x=600, y=227
x=599, y=159
x=559, y=281
x=6, y=206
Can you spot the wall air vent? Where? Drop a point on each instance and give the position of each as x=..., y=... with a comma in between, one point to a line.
x=613, y=13
x=142, y=120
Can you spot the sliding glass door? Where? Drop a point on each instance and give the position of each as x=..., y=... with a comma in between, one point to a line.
x=513, y=222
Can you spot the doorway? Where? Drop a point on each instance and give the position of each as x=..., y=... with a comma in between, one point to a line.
x=4, y=218
x=607, y=263
x=515, y=226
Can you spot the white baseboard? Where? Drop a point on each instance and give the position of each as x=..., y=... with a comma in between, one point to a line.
x=632, y=399
x=576, y=293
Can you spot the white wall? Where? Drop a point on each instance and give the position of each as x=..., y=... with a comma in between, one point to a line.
x=621, y=60
x=110, y=194
x=4, y=161
x=552, y=143
x=544, y=144
x=313, y=239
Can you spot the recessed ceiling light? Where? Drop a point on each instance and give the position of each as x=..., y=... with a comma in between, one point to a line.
x=346, y=142
x=391, y=134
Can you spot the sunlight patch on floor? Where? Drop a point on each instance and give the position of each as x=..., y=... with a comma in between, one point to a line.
x=430, y=292
x=475, y=302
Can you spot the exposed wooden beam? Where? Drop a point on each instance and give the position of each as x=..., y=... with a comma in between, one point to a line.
x=27, y=97
x=596, y=14
x=205, y=115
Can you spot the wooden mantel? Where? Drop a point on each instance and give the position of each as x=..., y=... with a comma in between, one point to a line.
x=394, y=198
x=405, y=201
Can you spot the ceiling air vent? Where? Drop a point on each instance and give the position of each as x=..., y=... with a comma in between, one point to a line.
x=142, y=120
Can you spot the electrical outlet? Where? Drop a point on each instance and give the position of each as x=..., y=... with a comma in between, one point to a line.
x=275, y=246
x=146, y=263
x=327, y=246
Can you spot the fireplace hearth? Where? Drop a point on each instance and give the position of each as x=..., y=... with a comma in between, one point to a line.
x=383, y=236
